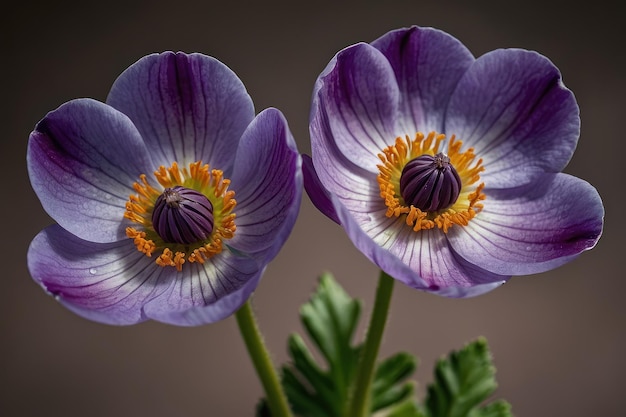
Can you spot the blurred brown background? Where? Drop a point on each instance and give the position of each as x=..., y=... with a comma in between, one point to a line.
x=558, y=338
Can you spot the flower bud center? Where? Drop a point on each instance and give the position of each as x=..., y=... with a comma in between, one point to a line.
x=182, y=215
x=430, y=183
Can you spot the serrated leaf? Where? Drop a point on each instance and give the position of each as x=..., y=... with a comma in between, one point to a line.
x=303, y=401
x=387, y=388
x=498, y=408
x=406, y=409
x=463, y=380
x=306, y=365
x=392, y=370
x=393, y=395
x=330, y=319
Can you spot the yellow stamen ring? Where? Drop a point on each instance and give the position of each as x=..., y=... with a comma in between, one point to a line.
x=396, y=156
x=198, y=177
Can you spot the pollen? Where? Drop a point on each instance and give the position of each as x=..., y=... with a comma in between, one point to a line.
x=459, y=212
x=199, y=179
x=139, y=238
x=168, y=258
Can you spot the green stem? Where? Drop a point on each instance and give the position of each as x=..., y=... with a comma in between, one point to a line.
x=259, y=354
x=360, y=404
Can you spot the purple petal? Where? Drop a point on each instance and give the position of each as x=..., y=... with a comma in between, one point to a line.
x=104, y=282
x=532, y=230
x=116, y=284
x=206, y=293
x=355, y=188
x=83, y=159
x=187, y=107
x=513, y=108
x=428, y=64
x=352, y=183
x=267, y=180
x=355, y=105
x=422, y=260
x=317, y=193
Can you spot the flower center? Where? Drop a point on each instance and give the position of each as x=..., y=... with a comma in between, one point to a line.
x=429, y=187
x=430, y=183
x=182, y=215
x=187, y=220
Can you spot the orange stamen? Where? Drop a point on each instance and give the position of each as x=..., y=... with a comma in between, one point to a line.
x=396, y=156
x=211, y=183
x=139, y=238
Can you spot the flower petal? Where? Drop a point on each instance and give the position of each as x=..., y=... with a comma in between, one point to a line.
x=356, y=188
x=348, y=181
x=187, y=107
x=317, y=193
x=104, y=282
x=532, y=230
x=267, y=180
x=513, y=108
x=206, y=293
x=83, y=159
x=428, y=64
x=355, y=105
x=422, y=260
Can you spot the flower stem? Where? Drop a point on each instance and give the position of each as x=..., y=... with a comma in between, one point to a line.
x=361, y=397
x=260, y=356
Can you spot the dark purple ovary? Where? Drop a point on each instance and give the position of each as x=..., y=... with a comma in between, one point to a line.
x=182, y=215
x=430, y=183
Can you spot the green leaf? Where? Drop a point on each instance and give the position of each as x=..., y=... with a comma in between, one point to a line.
x=387, y=388
x=406, y=409
x=498, y=408
x=463, y=381
x=330, y=319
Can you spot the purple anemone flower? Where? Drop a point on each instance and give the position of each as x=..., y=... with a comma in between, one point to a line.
x=445, y=169
x=170, y=199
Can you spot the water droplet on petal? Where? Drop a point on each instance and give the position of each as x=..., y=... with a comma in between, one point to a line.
x=93, y=271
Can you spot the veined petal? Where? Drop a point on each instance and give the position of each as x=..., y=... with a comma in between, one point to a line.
x=512, y=107
x=342, y=177
x=83, y=159
x=317, y=193
x=187, y=107
x=428, y=64
x=206, y=293
x=421, y=260
x=355, y=105
x=529, y=231
x=267, y=179
x=104, y=282
x=509, y=106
